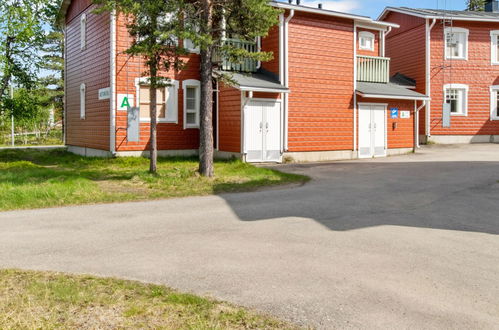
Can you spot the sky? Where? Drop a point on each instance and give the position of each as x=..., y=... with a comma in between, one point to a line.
x=373, y=8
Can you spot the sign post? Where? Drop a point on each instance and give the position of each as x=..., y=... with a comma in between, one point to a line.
x=12, y=118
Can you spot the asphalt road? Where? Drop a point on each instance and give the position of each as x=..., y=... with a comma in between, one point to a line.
x=402, y=242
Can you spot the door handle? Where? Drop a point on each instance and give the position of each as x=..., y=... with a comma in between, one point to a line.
x=261, y=126
x=267, y=126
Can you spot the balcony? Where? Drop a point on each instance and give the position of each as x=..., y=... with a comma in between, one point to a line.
x=373, y=69
x=246, y=65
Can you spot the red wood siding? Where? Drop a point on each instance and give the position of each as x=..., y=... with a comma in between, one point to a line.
x=376, y=51
x=406, y=48
x=169, y=136
x=477, y=72
x=271, y=44
x=321, y=83
x=75, y=8
x=91, y=67
x=229, y=119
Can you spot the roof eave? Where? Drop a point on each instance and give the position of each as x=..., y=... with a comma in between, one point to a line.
x=455, y=18
x=357, y=18
x=393, y=97
x=61, y=15
x=261, y=89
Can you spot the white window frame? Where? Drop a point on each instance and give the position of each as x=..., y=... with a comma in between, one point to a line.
x=366, y=35
x=83, y=31
x=494, y=36
x=464, y=31
x=197, y=85
x=170, y=103
x=83, y=95
x=465, y=101
x=493, y=102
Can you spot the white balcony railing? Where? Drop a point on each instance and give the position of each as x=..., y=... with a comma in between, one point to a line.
x=373, y=69
x=247, y=65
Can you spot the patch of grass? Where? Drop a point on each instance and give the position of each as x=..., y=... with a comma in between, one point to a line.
x=43, y=300
x=46, y=178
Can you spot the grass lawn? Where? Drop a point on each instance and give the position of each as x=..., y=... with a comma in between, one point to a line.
x=41, y=300
x=46, y=178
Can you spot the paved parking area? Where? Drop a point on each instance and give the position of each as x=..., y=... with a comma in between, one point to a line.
x=402, y=242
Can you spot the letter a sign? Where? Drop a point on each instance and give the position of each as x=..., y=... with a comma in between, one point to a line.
x=125, y=101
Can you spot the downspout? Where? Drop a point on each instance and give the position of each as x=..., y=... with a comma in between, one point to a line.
x=281, y=75
x=428, y=73
x=383, y=41
x=416, y=122
x=286, y=76
x=112, y=101
x=354, y=87
x=65, y=98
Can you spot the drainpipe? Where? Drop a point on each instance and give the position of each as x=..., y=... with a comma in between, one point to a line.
x=429, y=27
x=286, y=76
x=416, y=122
x=383, y=40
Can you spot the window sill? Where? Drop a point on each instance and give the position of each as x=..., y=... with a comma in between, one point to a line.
x=191, y=126
x=368, y=49
x=459, y=114
x=456, y=58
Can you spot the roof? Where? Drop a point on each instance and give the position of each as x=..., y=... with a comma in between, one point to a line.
x=403, y=80
x=463, y=15
x=320, y=11
x=388, y=91
x=256, y=82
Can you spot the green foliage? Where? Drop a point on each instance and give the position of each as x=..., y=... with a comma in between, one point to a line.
x=475, y=5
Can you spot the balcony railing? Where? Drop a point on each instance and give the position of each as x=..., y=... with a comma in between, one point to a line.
x=246, y=65
x=373, y=69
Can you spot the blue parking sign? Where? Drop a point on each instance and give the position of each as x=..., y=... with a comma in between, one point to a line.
x=394, y=113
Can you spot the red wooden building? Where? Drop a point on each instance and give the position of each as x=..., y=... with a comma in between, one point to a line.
x=327, y=94
x=454, y=57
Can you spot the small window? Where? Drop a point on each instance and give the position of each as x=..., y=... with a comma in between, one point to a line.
x=494, y=46
x=145, y=101
x=166, y=101
x=192, y=100
x=83, y=31
x=494, y=103
x=366, y=41
x=457, y=96
x=83, y=92
x=456, y=43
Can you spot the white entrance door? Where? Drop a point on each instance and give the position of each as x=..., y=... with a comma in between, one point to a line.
x=372, y=130
x=262, y=131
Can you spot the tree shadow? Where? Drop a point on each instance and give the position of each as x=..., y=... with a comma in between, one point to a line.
x=345, y=196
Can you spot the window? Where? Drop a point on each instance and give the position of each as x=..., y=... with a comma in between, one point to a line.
x=494, y=46
x=494, y=103
x=366, y=41
x=456, y=43
x=457, y=96
x=166, y=101
x=83, y=92
x=83, y=31
x=192, y=99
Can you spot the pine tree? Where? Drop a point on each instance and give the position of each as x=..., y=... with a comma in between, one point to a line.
x=207, y=23
x=154, y=26
x=475, y=5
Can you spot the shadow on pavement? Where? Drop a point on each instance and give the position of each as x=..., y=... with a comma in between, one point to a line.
x=462, y=196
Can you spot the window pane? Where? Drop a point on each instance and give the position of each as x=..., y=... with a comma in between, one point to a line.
x=191, y=104
x=191, y=92
x=497, y=48
x=191, y=118
x=144, y=111
x=144, y=94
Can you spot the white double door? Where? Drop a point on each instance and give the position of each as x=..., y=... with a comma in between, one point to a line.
x=372, y=130
x=262, y=131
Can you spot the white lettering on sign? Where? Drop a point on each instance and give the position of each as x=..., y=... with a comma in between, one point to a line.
x=405, y=114
x=105, y=93
x=125, y=101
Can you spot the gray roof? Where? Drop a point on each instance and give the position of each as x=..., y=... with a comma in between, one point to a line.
x=447, y=14
x=389, y=91
x=256, y=82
